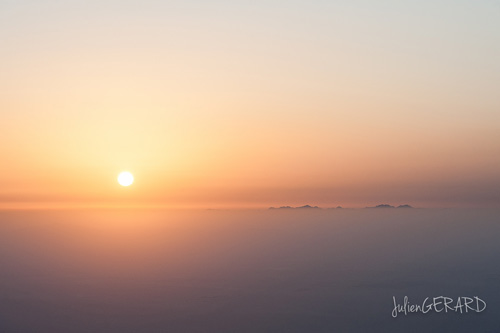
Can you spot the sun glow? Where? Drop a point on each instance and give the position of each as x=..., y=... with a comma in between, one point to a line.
x=125, y=178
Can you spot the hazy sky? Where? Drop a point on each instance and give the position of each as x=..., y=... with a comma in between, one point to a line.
x=255, y=103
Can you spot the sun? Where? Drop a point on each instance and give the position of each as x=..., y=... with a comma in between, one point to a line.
x=125, y=178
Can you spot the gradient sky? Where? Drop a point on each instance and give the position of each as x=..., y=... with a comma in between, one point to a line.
x=249, y=104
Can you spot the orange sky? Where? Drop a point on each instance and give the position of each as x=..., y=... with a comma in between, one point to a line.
x=239, y=105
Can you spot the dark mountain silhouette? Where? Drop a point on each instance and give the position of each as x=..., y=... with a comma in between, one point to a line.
x=340, y=207
x=390, y=206
x=282, y=207
x=307, y=206
x=382, y=206
x=289, y=207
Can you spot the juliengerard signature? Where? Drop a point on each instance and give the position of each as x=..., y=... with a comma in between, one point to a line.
x=444, y=304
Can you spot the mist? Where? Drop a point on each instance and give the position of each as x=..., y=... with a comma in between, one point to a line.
x=244, y=271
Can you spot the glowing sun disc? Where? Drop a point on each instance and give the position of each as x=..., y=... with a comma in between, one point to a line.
x=125, y=178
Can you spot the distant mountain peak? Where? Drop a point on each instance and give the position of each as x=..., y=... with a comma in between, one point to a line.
x=307, y=206
x=289, y=207
x=382, y=206
x=282, y=207
x=390, y=206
